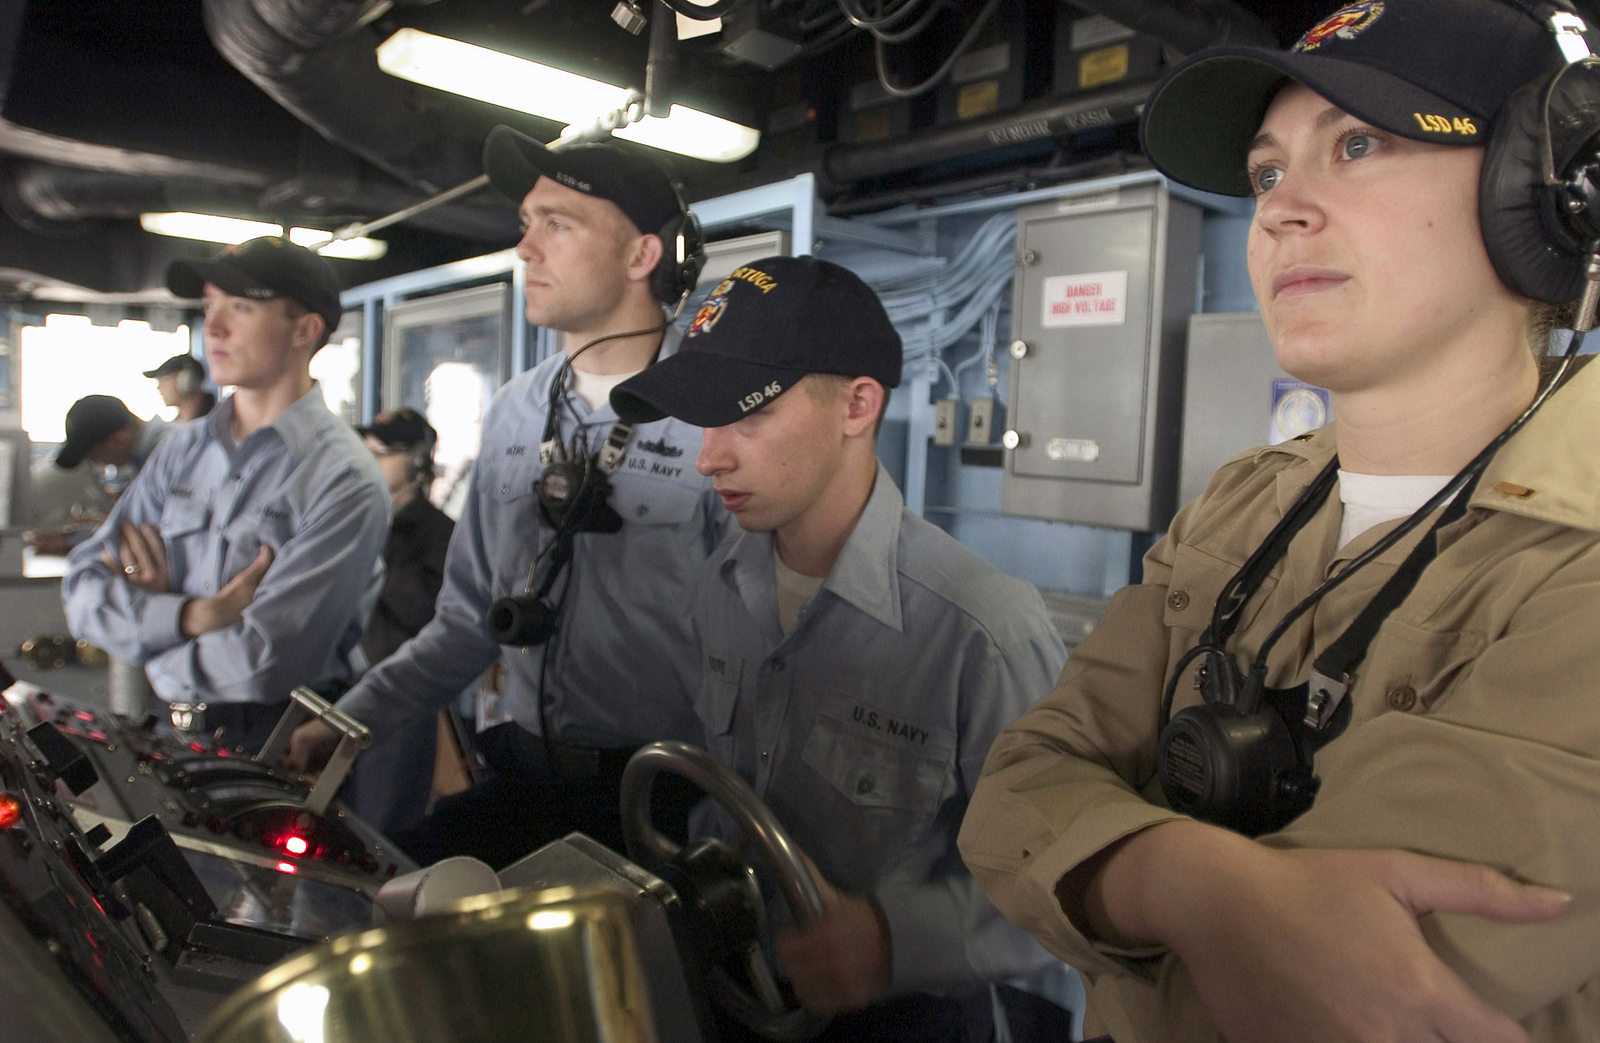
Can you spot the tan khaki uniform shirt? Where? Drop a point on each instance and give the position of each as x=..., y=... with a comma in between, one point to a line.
x=1475, y=734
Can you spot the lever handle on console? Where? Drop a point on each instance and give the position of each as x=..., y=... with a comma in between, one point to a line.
x=355, y=737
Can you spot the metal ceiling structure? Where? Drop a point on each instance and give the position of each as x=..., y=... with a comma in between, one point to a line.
x=276, y=110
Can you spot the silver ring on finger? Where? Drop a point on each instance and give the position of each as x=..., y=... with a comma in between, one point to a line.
x=130, y=570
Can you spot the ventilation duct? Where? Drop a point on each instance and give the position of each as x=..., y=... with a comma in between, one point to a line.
x=317, y=59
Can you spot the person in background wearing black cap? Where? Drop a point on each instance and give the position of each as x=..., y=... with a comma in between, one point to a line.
x=244, y=558
x=856, y=660
x=181, y=382
x=392, y=783
x=103, y=431
x=608, y=576
x=1439, y=883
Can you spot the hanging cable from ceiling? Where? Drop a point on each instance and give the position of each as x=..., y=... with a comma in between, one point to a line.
x=879, y=52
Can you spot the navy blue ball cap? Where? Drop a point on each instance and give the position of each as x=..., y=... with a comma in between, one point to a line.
x=91, y=420
x=264, y=268
x=178, y=364
x=761, y=330
x=639, y=185
x=1428, y=70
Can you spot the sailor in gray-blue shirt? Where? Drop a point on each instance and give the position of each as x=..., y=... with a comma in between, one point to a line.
x=576, y=554
x=244, y=558
x=856, y=661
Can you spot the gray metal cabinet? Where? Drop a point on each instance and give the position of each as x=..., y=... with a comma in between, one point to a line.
x=1105, y=285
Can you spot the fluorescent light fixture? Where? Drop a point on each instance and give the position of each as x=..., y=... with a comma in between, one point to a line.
x=358, y=249
x=516, y=83
x=207, y=227
x=212, y=229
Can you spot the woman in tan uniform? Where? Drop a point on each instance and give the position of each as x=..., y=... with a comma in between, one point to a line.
x=1254, y=812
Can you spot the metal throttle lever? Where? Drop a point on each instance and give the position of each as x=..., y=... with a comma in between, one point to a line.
x=354, y=737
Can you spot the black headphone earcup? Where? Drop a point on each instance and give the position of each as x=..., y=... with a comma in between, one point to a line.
x=672, y=279
x=1537, y=246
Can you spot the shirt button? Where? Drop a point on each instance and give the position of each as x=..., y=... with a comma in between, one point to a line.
x=504, y=489
x=864, y=785
x=764, y=756
x=1178, y=600
x=777, y=666
x=1402, y=697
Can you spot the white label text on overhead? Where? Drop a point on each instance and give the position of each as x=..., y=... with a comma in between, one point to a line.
x=1092, y=299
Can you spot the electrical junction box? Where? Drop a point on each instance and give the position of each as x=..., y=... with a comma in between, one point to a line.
x=1104, y=287
x=1092, y=51
x=870, y=113
x=944, y=422
x=996, y=72
x=980, y=421
x=1236, y=396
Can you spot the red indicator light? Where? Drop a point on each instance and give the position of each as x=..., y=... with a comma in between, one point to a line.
x=197, y=747
x=83, y=715
x=286, y=867
x=10, y=812
x=295, y=845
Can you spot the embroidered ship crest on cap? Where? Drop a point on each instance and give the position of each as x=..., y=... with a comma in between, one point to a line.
x=1345, y=24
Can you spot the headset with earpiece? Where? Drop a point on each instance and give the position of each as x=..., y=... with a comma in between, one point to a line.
x=190, y=379
x=683, y=255
x=419, y=459
x=1243, y=758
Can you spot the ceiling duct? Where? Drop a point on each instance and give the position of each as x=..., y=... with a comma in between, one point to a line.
x=1187, y=27
x=65, y=194
x=317, y=59
x=1053, y=119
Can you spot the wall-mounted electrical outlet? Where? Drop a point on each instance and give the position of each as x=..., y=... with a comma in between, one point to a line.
x=944, y=422
x=980, y=421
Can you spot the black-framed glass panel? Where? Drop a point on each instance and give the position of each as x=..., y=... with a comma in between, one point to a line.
x=445, y=356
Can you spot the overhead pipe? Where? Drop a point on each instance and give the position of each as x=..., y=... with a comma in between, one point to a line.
x=64, y=194
x=318, y=60
x=1048, y=120
x=1187, y=27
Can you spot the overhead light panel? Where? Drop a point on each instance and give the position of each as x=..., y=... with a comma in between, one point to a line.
x=213, y=229
x=358, y=249
x=516, y=83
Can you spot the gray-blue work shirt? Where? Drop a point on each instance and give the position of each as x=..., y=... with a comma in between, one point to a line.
x=305, y=486
x=866, y=727
x=622, y=665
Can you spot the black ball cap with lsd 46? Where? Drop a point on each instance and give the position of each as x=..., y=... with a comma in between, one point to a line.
x=1428, y=70
x=177, y=364
x=637, y=184
x=262, y=269
x=760, y=331
x=91, y=420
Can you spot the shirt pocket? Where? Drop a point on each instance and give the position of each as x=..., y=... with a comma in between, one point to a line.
x=268, y=526
x=1197, y=581
x=719, y=692
x=652, y=499
x=877, y=760
x=506, y=482
x=185, y=525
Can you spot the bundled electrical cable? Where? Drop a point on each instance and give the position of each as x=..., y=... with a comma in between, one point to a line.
x=934, y=310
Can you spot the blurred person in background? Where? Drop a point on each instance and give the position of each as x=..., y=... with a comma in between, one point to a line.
x=393, y=781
